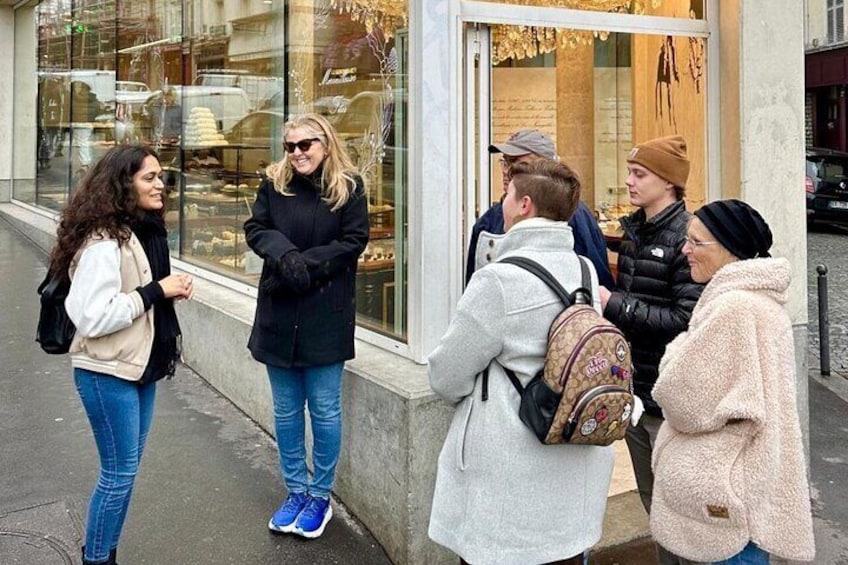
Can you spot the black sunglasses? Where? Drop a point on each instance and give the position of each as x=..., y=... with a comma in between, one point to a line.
x=303, y=145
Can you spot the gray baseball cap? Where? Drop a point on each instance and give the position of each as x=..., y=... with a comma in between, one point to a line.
x=526, y=141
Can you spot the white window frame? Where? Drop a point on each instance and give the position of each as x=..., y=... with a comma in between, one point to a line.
x=436, y=238
x=835, y=33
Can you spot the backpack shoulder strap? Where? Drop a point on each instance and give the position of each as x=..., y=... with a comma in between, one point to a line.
x=542, y=273
x=583, y=295
x=513, y=378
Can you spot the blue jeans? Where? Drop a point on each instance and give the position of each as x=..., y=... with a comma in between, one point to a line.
x=120, y=413
x=751, y=555
x=320, y=387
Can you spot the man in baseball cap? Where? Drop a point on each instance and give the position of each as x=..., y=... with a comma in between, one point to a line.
x=527, y=146
x=526, y=142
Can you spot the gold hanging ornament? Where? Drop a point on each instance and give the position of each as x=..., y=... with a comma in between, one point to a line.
x=509, y=42
x=521, y=42
x=387, y=15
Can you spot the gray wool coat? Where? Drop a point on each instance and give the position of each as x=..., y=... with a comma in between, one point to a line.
x=501, y=496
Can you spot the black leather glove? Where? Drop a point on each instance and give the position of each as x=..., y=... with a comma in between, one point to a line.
x=272, y=283
x=293, y=273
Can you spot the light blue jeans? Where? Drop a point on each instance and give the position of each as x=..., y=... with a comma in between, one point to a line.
x=120, y=413
x=320, y=388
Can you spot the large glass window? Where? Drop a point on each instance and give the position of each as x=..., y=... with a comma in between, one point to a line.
x=598, y=98
x=347, y=61
x=597, y=94
x=670, y=8
x=209, y=84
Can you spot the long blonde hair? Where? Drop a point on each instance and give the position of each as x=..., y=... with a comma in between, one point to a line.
x=338, y=176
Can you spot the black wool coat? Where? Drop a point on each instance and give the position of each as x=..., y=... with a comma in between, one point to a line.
x=655, y=295
x=316, y=327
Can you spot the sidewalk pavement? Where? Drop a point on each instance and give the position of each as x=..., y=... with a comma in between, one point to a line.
x=210, y=478
x=207, y=486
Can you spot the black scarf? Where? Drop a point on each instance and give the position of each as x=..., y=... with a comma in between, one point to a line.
x=150, y=231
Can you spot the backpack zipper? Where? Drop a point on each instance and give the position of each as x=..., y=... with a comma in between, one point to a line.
x=568, y=317
x=584, y=400
x=573, y=357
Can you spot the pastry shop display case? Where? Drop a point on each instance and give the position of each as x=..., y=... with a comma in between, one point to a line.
x=215, y=202
x=376, y=281
x=609, y=212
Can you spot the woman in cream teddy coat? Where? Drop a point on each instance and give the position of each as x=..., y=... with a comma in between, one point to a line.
x=730, y=476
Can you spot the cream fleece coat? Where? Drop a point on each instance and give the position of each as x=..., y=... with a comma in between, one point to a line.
x=728, y=463
x=502, y=497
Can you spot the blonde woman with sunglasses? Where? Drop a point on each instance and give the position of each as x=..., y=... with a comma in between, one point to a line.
x=309, y=225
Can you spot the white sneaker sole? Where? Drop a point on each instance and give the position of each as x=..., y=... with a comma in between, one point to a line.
x=316, y=533
x=282, y=529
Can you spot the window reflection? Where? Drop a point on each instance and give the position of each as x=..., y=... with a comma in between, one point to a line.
x=347, y=61
x=206, y=83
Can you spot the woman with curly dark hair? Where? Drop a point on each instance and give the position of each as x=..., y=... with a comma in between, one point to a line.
x=112, y=244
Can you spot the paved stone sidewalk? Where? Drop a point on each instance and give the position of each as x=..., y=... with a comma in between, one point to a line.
x=206, y=488
x=828, y=246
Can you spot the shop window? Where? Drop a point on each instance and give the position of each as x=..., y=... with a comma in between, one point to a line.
x=693, y=9
x=596, y=99
x=347, y=61
x=208, y=85
x=835, y=21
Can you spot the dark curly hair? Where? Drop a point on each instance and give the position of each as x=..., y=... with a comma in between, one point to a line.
x=104, y=201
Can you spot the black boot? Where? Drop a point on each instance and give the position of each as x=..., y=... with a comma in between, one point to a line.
x=113, y=556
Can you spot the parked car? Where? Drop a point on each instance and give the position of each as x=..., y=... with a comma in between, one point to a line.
x=826, y=185
x=255, y=141
x=259, y=89
x=129, y=92
x=364, y=128
x=331, y=107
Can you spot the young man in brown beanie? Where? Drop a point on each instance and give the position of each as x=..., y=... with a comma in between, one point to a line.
x=655, y=294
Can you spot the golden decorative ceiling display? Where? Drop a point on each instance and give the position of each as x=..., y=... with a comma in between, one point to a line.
x=521, y=42
x=388, y=15
x=509, y=42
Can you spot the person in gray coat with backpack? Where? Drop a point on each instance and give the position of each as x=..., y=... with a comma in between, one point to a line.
x=501, y=496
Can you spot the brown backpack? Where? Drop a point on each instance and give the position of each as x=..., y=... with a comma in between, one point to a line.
x=584, y=392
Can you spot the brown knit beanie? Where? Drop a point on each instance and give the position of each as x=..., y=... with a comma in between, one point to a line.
x=665, y=157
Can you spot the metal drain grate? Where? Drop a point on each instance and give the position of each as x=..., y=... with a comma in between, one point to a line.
x=28, y=548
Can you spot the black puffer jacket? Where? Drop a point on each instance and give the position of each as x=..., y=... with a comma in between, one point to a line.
x=317, y=326
x=656, y=294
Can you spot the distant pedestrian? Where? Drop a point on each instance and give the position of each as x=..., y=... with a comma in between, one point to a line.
x=730, y=479
x=527, y=146
x=501, y=496
x=112, y=243
x=85, y=107
x=309, y=224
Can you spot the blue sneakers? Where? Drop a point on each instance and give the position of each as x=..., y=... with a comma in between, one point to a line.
x=312, y=521
x=285, y=518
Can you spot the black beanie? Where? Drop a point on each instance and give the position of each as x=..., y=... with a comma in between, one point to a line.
x=738, y=227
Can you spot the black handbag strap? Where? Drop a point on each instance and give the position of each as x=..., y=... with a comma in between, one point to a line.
x=582, y=295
